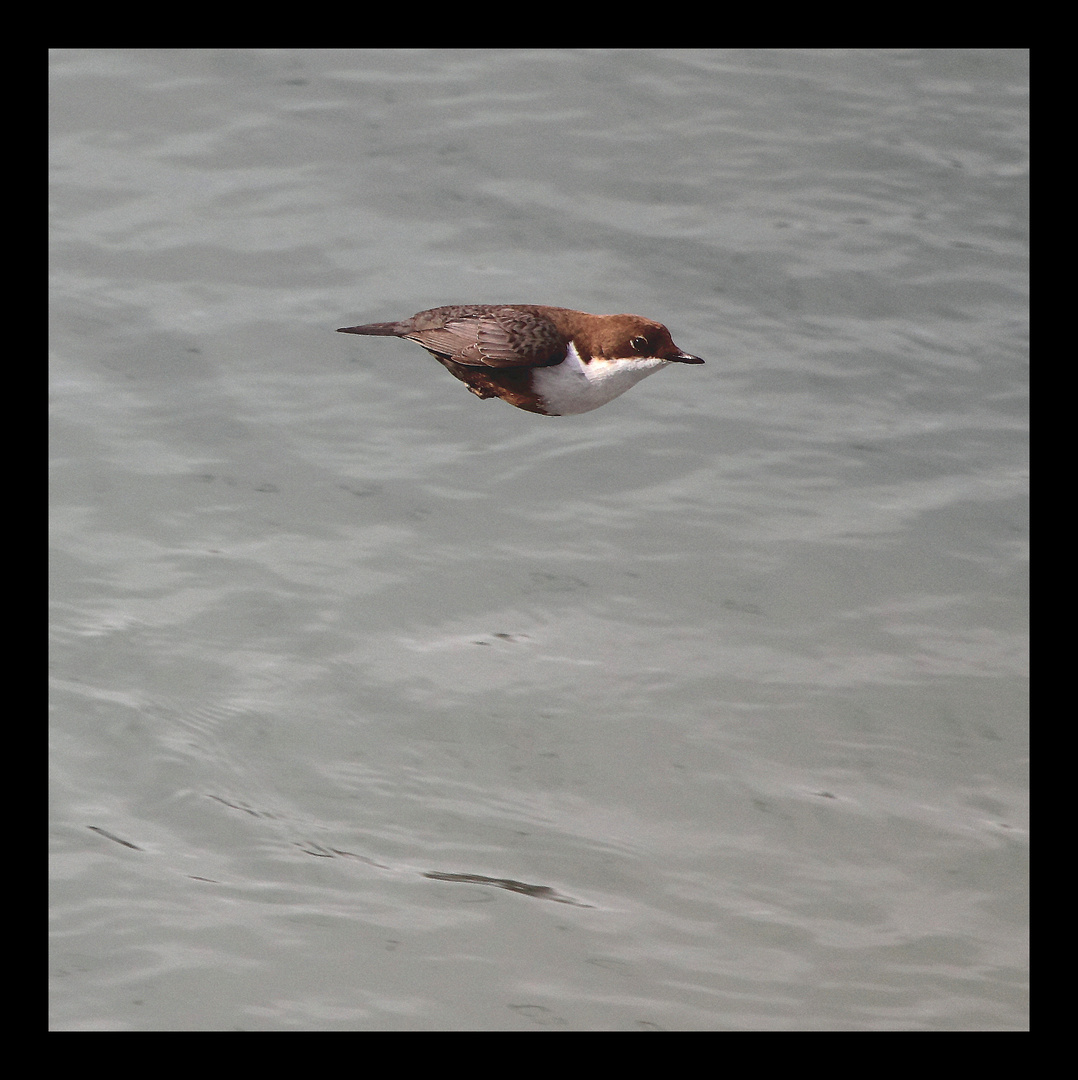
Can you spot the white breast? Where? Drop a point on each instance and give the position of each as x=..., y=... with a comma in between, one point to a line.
x=575, y=387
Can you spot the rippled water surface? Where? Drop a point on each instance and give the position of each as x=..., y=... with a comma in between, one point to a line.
x=375, y=705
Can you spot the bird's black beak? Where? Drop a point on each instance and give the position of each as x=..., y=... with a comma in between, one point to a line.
x=684, y=358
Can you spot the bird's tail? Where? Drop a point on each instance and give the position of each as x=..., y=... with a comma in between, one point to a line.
x=378, y=329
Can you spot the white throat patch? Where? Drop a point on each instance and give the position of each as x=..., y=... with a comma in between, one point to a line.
x=575, y=387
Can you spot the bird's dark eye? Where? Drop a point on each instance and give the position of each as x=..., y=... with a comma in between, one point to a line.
x=639, y=344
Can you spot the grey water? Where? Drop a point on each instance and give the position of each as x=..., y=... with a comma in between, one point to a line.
x=375, y=706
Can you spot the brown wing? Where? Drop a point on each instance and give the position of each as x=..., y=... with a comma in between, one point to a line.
x=500, y=338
